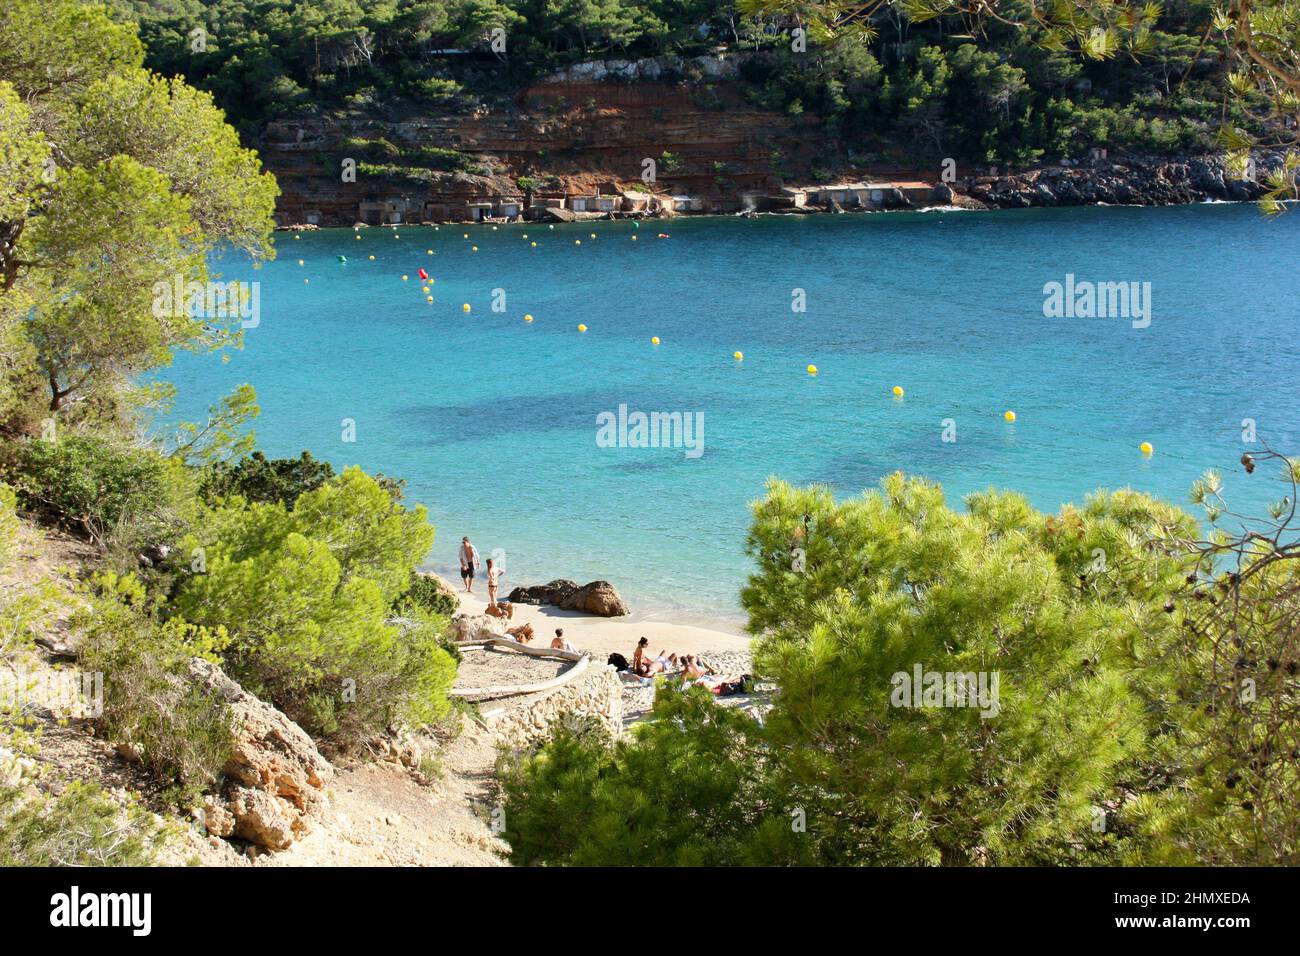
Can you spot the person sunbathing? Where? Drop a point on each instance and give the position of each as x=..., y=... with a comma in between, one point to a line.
x=661, y=664
x=695, y=669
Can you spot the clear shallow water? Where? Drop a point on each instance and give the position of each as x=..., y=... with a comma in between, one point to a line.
x=493, y=421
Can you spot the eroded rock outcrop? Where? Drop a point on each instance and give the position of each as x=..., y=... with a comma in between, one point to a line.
x=275, y=776
x=441, y=583
x=598, y=597
x=597, y=695
x=476, y=627
x=554, y=592
x=1123, y=181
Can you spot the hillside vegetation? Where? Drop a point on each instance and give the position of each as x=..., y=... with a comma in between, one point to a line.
x=975, y=89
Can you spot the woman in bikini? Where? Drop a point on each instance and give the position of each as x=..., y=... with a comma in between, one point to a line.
x=493, y=575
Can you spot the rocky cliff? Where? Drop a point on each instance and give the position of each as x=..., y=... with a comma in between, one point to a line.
x=593, y=127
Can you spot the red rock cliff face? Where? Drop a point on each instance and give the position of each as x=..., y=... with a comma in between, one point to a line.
x=574, y=135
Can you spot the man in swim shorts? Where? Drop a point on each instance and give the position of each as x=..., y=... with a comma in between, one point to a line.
x=468, y=562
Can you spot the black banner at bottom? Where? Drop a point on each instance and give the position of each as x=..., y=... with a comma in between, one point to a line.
x=141, y=906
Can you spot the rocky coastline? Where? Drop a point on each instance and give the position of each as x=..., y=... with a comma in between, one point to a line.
x=1126, y=181
x=1119, y=181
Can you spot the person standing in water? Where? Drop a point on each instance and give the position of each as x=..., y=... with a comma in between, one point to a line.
x=468, y=562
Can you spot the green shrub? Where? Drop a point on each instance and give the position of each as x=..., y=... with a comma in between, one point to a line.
x=684, y=791
x=91, y=485
x=23, y=606
x=183, y=733
x=305, y=595
x=427, y=593
x=9, y=524
x=437, y=90
x=437, y=157
x=266, y=480
x=81, y=826
x=372, y=149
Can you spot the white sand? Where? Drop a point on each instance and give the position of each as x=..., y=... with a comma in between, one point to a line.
x=605, y=635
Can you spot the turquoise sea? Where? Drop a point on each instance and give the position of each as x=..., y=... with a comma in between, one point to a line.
x=493, y=421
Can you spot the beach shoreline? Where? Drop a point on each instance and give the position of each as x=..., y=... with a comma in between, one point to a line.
x=603, y=636
x=679, y=610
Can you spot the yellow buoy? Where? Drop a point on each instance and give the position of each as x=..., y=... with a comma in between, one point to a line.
x=465, y=307
x=812, y=369
x=296, y=236
x=525, y=235
x=528, y=318
x=404, y=278
x=430, y=298
x=494, y=228
x=305, y=281
x=1146, y=448
x=473, y=248
x=898, y=391
x=1009, y=415
x=372, y=258
x=738, y=356
x=428, y=252
x=593, y=235
x=396, y=236
x=358, y=237
x=654, y=340
x=465, y=235
x=533, y=244
x=299, y=262
x=424, y=289
x=582, y=328
x=577, y=242
x=634, y=238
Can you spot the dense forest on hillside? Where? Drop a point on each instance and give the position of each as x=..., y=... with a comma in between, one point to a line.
x=984, y=92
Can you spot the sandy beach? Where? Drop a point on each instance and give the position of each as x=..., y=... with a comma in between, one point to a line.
x=603, y=635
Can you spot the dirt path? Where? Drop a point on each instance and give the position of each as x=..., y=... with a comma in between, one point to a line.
x=378, y=815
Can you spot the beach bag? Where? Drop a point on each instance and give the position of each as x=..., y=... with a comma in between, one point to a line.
x=618, y=660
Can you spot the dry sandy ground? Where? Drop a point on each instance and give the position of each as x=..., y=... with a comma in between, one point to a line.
x=379, y=816
x=603, y=635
